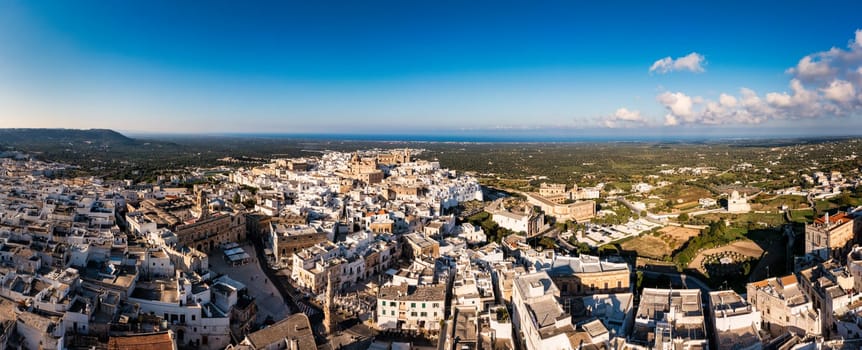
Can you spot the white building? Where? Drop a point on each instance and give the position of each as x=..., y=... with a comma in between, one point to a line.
x=735, y=323
x=473, y=234
x=669, y=319
x=642, y=187
x=737, y=203
x=784, y=306
x=539, y=320
x=40, y=332
x=190, y=311
x=521, y=221
x=707, y=202
x=411, y=307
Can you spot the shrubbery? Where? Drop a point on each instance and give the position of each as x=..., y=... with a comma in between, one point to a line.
x=715, y=235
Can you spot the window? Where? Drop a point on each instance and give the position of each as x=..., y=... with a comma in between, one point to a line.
x=412, y=304
x=382, y=303
x=436, y=305
x=423, y=314
x=423, y=305
x=193, y=318
x=391, y=303
x=413, y=314
x=606, y=285
x=619, y=284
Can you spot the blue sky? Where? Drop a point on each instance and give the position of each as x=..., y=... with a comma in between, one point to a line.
x=530, y=67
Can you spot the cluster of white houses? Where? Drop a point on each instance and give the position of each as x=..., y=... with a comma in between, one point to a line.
x=86, y=261
x=118, y=264
x=534, y=300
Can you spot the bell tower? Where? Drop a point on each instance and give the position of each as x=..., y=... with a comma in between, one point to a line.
x=202, y=204
x=328, y=322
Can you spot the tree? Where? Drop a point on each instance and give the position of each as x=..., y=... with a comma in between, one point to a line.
x=844, y=200
x=548, y=242
x=682, y=217
x=502, y=314
x=717, y=228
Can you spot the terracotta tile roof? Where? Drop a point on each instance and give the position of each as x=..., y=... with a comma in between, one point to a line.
x=149, y=341
x=788, y=280
x=760, y=284
x=839, y=218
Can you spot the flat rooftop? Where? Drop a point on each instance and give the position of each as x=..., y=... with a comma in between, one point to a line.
x=164, y=291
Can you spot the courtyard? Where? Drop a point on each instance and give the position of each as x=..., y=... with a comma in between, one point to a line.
x=269, y=301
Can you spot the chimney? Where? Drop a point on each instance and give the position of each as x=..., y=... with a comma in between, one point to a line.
x=827, y=218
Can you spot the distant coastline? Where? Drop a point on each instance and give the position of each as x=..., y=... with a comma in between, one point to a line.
x=584, y=136
x=495, y=138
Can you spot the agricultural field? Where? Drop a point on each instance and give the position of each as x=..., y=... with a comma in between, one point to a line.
x=648, y=246
x=748, y=220
x=773, y=203
x=661, y=244
x=682, y=195
x=677, y=236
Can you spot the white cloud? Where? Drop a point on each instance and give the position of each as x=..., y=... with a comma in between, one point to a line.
x=779, y=99
x=623, y=117
x=839, y=91
x=822, y=84
x=663, y=65
x=808, y=68
x=678, y=103
x=670, y=120
x=692, y=62
x=627, y=115
x=727, y=100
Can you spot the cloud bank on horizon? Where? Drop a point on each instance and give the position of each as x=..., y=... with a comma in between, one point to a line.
x=822, y=84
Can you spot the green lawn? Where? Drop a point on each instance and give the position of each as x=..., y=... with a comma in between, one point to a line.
x=825, y=205
x=802, y=216
x=773, y=203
